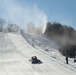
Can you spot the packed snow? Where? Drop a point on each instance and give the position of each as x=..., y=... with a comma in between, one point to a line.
x=16, y=50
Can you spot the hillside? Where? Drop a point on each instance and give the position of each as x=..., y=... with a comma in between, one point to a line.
x=15, y=53
x=61, y=33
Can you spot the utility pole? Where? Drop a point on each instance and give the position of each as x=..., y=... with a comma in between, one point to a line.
x=67, y=57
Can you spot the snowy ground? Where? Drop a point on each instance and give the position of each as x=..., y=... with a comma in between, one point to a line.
x=40, y=40
x=15, y=53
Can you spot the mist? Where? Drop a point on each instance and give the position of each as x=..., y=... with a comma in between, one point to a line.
x=14, y=12
x=63, y=34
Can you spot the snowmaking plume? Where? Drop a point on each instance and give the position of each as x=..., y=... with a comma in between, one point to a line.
x=15, y=12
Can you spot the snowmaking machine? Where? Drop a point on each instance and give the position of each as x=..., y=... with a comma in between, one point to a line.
x=34, y=60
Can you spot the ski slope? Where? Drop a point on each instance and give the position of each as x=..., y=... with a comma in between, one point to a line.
x=15, y=53
x=41, y=40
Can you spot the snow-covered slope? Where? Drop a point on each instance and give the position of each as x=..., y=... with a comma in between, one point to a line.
x=40, y=40
x=16, y=52
x=47, y=46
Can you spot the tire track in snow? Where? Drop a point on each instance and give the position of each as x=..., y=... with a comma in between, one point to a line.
x=58, y=74
x=40, y=55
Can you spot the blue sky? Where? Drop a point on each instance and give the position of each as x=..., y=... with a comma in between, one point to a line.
x=39, y=11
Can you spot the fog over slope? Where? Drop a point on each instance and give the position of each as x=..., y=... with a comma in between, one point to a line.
x=14, y=12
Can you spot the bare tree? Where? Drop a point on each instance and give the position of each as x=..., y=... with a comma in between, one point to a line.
x=30, y=27
x=2, y=22
x=13, y=28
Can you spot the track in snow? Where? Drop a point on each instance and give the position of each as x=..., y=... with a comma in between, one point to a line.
x=16, y=60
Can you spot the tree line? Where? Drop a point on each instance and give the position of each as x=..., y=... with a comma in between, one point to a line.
x=10, y=27
x=64, y=35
